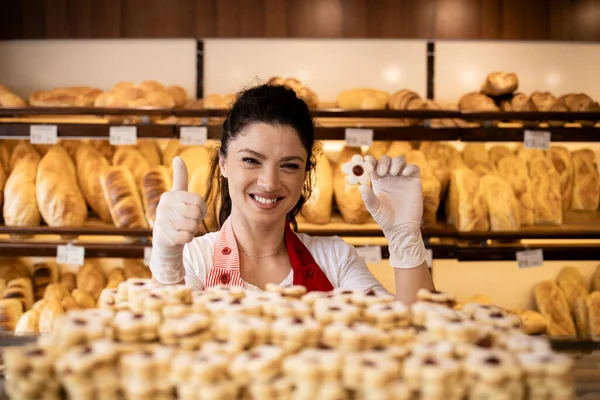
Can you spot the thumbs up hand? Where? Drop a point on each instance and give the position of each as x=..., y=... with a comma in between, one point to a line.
x=179, y=212
x=177, y=218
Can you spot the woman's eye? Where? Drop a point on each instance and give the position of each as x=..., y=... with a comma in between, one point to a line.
x=250, y=160
x=291, y=166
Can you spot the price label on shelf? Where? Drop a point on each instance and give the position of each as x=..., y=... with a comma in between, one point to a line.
x=356, y=137
x=123, y=135
x=530, y=258
x=536, y=140
x=147, y=255
x=371, y=254
x=43, y=134
x=193, y=135
x=69, y=254
x=429, y=259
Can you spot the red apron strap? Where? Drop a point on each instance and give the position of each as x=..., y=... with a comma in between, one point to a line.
x=306, y=271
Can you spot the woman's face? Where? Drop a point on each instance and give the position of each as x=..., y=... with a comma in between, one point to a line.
x=265, y=167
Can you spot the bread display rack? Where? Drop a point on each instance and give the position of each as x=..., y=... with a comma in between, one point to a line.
x=443, y=239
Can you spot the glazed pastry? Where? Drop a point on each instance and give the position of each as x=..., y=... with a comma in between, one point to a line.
x=56, y=292
x=115, y=277
x=131, y=158
x=83, y=299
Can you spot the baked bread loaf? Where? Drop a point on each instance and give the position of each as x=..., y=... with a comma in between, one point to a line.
x=136, y=269
x=317, y=209
x=581, y=316
x=43, y=275
x=595, y=285
x=122, y=197
x=545, y=187
x=171, y=150
x=399, y=148
x=103, y=147
x=500, y=83
x=561, y=159
x=577, y=102
x=533, y=323
x=347, y=197
x=149, y=149
x=485, y=168
x=529, y=154
x=477, y=101
x=20, y=204
x=438, y=157
x=518, y=102
x=593, y=306
x=466, y=207
x=405, y=99
x=431, y=186
x=514, y=170
x=302, y=91
x=91, y=279
x=217, y=101
x=9, y=99
x=553, y=305
x=379, y=148
x=585, y=181
x=502, y=205
x=475, y=153
x=363, y=99
x=90, y=166
x=132, y=159
x=58, y=195
x=543, y=101
x=5, y=157
x=178, y=94
x=571, y=282
x=10, y=312
x=197, y=157
x=77, y=96
x=154, y=184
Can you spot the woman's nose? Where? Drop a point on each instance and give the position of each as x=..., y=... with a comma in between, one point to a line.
x=269, y=179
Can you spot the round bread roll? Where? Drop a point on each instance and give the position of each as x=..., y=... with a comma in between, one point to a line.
x=178, y=94
x=500, y=83
x=543, y=101
x=476, y=101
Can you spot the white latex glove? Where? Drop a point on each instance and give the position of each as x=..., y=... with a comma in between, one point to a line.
x=177, y=218
x=395, y=201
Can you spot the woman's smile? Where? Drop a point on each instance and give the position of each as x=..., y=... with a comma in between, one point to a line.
x=265, y=201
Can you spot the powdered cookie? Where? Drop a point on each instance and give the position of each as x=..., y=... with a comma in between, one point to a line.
x=295, y=291
x=369, y=369
x=387, y=315
x=436, y=297
x=294, y=333
x=242, y=331
x=130, y=327
x=314, y=366
x=327, y=311
x=188, y=332
x=354, y=337
x=258, y=364
x=370, y=297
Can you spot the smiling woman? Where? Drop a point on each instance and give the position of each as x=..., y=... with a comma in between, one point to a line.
x=262, y=177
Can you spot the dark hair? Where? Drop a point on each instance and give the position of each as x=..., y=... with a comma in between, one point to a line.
x=270, y=104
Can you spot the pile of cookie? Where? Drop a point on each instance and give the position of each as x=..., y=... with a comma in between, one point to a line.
x=165, y=342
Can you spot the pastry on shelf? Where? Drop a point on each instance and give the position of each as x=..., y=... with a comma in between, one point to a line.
x=91, y=279
x=10, y=99
x=517, y=102
x=302, y=91
x=43, y=275
x=5, y=157
x=10, y=313
x=347, y=197
x=90, y=166
x=179, y=95
x=551, y=302
x=83, y=299
x=485, y=168
x=502, y=205
x=529, y=154
x=543, y=101
x=593, y=307
x=363, y=99
x=76, y=96
x=123, y=199
x=438, y=157
x=406, y=99
x=131, y=158
x=399, y=148
x=136, y=269
x=475, y=153
x=156, y=182
x=476, y=101
x=466, y=207
x=115, y=277
x=56, y=291
x=28, y=323
x=533, y=322
x=378, y=148
x=59, y=197
x=317, y=209
x=103, y=147
x=68, y=280
x=586, y=181
x=21, y=289
x=545, y=189
x=217, y=101
x=431, y=185
x=581, y=316
x=578, y=102
x=500, y=83
x=20, y=204
x=150, y=151
x=562, y=161
x=571, y=282
x=50, y=312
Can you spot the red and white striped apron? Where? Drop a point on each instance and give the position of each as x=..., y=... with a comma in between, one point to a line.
x=225, y=268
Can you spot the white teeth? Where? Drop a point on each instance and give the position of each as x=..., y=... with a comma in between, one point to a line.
x=263, y=200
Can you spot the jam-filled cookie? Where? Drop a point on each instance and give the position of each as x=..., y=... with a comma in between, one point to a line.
x=369, y=370
x=371, y=297
x=354, y=337
x=295, y=333
x=434, y=377
x=294, y=291
x=145, y=372
x=128, y=326
x=260, y=363
x=388, y=315
x=187, y=332
x=436, y=297
x=241, y=331
x=357, y=170
x=327, y=311
x=493, y=374
x=286, y=308
x=129, y=289
x=219, y=306
x=314, y=366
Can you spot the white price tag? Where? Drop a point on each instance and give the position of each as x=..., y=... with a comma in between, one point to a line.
x=356, y=137
x=123, y=135
x=429, y=259
x=530, y=258
x=193, y=135
x=147, y=255
x=69, y=254
x=371, y=254
x=43, y=134
x=536, y=140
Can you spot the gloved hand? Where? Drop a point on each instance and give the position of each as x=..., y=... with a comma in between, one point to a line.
x=395, y=201
x=177, y=217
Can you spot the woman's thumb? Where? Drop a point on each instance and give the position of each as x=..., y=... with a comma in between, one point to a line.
x=180, y=175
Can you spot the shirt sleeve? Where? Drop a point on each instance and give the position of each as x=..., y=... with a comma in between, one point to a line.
x=197, y=260
x=354, y=273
